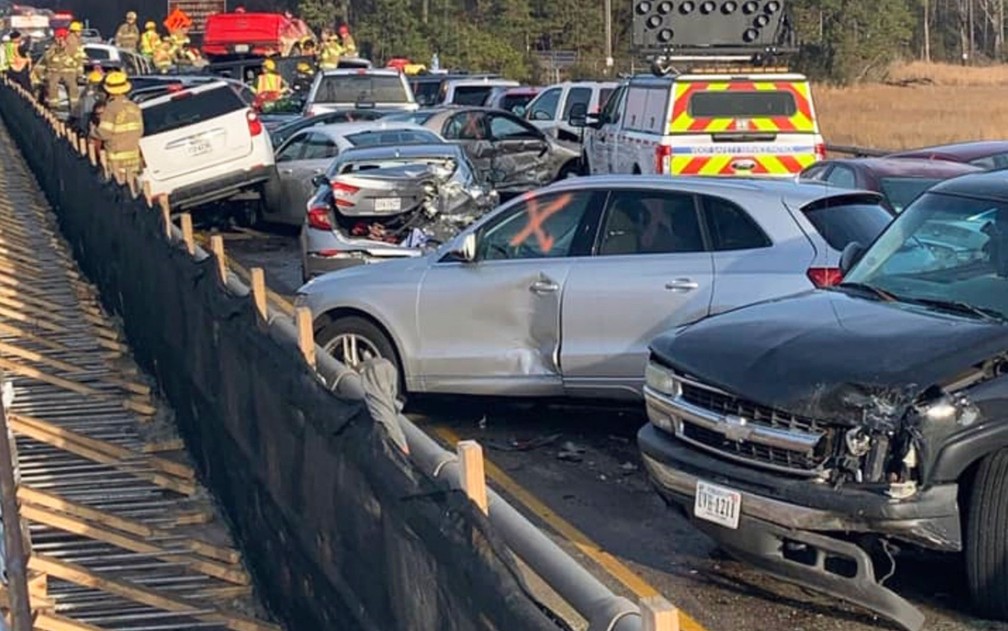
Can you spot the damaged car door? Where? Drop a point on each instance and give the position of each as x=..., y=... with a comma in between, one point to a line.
x=520, y=153
x=492, y=325
x=651, y=271
x=296, y=176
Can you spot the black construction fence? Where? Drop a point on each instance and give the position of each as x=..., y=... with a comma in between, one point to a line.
x=339, y=529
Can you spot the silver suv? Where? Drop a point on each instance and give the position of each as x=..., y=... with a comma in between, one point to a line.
x=559, y=291
x=356, y=89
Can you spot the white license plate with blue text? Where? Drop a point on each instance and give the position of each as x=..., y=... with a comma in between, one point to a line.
x=388, y=204
x=717, y=504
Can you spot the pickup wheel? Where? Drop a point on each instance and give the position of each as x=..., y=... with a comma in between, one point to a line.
x=986, y=544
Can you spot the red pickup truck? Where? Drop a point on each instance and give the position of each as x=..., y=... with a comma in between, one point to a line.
x=230, y=35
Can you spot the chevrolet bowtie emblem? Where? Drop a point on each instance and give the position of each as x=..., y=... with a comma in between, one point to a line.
x=736, y=428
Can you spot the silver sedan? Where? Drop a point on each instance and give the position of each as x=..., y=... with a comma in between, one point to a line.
x=559, y=292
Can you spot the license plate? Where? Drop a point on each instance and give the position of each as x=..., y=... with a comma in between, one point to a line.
x=241, y=48
x=387, y=204
x=198, y=148
x=717, y=504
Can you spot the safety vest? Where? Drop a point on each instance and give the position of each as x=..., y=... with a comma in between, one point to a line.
x=269, y=82
x=149, y=43
x=17, y=61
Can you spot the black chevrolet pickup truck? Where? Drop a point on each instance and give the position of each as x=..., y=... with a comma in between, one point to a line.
x=818, y=435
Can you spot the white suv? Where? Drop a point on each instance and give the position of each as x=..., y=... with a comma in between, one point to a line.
x=204, y=144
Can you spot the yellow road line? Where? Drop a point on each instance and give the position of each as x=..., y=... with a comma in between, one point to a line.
x=278, y=301
x=605, y=560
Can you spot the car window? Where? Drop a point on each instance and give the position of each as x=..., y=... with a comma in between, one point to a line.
x=815, y=172
x=731, y=228
x=503, y=127
x=294, y=149
x=842, y=176
x=848, y=219
x=362, y=88
x=470, y=94
x=613, y=109
x=187, y=108
x=603, y=97
x=546, y=226
x=319, y=147
x=996, y=161
x=466, y=126
x=97, y=54
x=575, y=96
x=377, y=138
x=650, y=222
x=900, y=191
x=545, y=107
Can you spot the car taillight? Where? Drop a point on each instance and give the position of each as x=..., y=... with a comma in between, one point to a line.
x=341, y=191
x=318, y=218
x=663, y=154
x=255, y=125
x=820, y=151
x=824, y=276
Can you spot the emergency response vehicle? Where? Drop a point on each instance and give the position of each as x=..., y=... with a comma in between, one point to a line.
x=707, y=121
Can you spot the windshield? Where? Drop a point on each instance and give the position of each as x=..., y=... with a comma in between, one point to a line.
x=362, y=88
x=471, y=94
x=900, y=191
x=942, y=248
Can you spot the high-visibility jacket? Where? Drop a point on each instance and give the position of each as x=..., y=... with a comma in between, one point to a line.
x=17, y=61
x=120, y=129
x=329, y=55
x=349, y=46
x=149, y=42
x=4, y=65
x=269, y=82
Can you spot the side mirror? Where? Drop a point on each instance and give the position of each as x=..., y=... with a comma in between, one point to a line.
x=518, y=110
x=466, y=251
x=578, y=116
x=320, y=180
x=539, y=115
x=851, y=254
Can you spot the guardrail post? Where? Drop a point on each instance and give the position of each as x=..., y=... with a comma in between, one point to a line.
x=103, y=159
x=166, y=216
x=258, y=280
x=658, y=614
x=217, y=247
x=473, y=478
x=14, y=547
x=306, y=338
x=92, y=154
x=187, y=233
x=147, y=193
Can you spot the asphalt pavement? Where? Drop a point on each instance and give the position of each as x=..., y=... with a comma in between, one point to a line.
x=575, y=471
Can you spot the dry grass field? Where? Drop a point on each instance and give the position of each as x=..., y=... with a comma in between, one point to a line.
x=919, y=104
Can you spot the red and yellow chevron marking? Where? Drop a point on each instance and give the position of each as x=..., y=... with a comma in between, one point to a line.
x=770, y=165
x=802, y=121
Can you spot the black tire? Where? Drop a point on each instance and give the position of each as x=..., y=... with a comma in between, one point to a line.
x=249, y=214
x=986, y=544
x=362, y=327
x=636, y=170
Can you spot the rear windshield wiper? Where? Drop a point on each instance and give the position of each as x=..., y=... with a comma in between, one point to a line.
x=872, y=289
x=955, y=306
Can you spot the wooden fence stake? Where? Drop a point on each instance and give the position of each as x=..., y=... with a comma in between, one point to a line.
x=473, y=478
x=217, y=247
x=103, y=159
x=93, y=154
x=306, y=339
x=258, y=278
x=147, y=193
x=166, y=216
x=187, y=233
x=658, y=614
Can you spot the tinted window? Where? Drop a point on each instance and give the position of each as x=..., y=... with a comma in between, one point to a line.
x=393, y=137
x=503, y=128
x=646, y=222
x=843, y=221
x=730, y=104
x=188, y=108
x=603, y=97
x=997, y=161
x=293, y=150
x=545, y=107
x=900, y=191
x=466, y=126
x=842, y=176
x=471, y=94
x=815, y=172
x=426, y=92
x=361, y=88
x=731, y=228
x=511, y=102
x=319, y=148
x=548, y=226
x=576, y=95
x=98, y=54
x=612, y=111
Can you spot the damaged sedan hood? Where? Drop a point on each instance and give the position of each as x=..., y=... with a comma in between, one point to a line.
x=828, y=355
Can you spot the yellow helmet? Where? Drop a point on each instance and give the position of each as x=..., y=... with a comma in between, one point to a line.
x=303, y=66
x=269, y=64
x=150, y=26
x=76, y=27
x=95, y=77
x=116, y=82
x=131, y=15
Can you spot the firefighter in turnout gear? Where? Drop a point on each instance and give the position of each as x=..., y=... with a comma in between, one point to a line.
x=128, y=35
x=330, y=52
x=304, y=78
x=120, y=127
x=347, y=41
x=270, y=86
x=163, y=56
x=150, y=40
x=90, y=101
x=74, y=37
x=62, y=65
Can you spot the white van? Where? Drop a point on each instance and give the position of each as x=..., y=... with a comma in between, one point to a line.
x=551, y=108
x=471, y=91
x=705, y=123
x=203, y=144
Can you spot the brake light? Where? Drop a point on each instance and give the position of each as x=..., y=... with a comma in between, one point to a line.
x=179, y=95
x=342, y=191
x=820, y=151
x=318, y=218
x=663, y=156
x=255, y=125
x=824, y=276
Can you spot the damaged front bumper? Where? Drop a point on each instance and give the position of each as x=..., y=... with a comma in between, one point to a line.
x=791, y=528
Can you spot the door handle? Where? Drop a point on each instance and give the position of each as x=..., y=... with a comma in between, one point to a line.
x=682, y=285
x=543, y=287
x=287, y=171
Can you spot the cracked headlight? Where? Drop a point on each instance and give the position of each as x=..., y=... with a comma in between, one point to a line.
x=949, y=409
x=661, y=379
